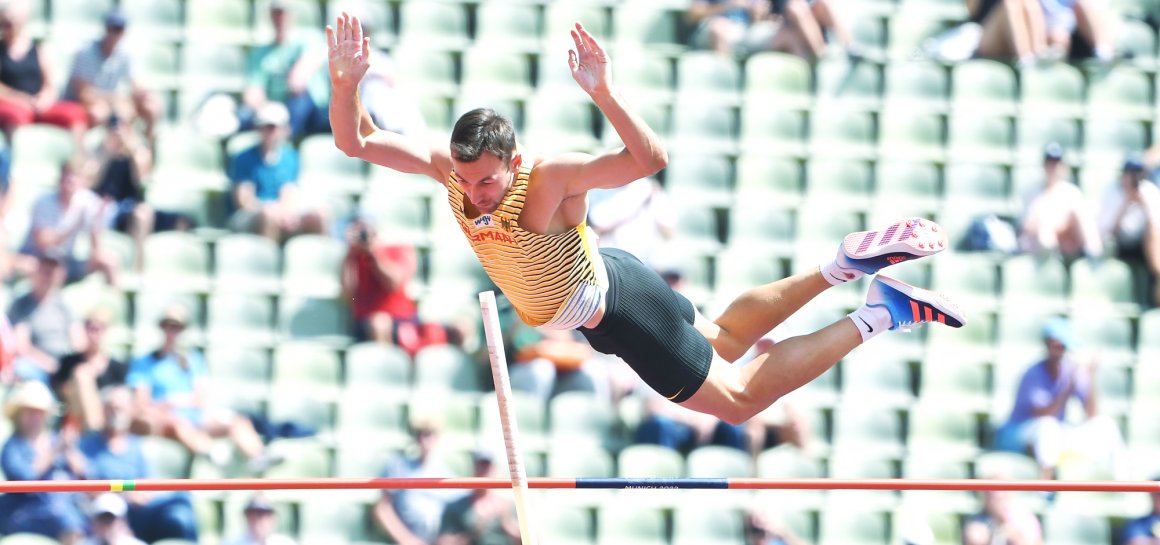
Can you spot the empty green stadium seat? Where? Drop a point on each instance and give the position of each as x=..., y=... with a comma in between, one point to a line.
x=247, y=263
x=984, y=85
x=311, y=265
x=439, y=24
x=323, y=320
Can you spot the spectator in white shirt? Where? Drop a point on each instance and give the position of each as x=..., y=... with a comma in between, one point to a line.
x=58, y=218
x=261, y=523
x=1057, y=218
x=1128, y=219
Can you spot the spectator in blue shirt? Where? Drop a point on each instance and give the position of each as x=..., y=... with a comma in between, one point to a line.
x=1146, y=529
x=1037, y=419
x=116, y=453
x=33, y=453
x=170, y=386
x=264, y=181
x=412, y=517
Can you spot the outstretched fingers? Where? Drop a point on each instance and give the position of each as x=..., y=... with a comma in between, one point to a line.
x=589, y=40
x=356, y=30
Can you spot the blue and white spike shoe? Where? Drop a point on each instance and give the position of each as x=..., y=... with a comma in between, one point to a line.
x=871, y=251
x=910, y=305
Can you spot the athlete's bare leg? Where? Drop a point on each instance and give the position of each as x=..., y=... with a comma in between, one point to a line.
x=759, y=310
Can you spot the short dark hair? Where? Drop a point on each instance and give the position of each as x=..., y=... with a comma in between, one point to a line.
x=482, y=130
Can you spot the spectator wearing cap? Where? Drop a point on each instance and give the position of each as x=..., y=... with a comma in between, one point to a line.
x=412, y=517
x=1037, y=420
x=108, y=525
x=171, y=389
x=115, y=453
x=1056, y=218
x=82, y=374
x=264, y=180
x=1144, y=530
x=482, y=517
x=43, y=328
x=28, y=93
x=261, y=525
x=1129, y=220
x=104, y=80
x=33, y=453
x=288, y=70
x=61, y=217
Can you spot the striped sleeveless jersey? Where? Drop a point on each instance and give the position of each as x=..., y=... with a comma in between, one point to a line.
x=553, y=281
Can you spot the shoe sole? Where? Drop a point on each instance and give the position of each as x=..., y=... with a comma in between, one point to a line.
x=902, y=241
x=952, y=315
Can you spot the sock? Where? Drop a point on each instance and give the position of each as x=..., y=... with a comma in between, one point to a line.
x=871, y=321
x=1104, y=53
x=838, y=272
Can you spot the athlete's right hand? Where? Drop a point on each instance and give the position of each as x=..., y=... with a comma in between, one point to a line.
x=349, y=51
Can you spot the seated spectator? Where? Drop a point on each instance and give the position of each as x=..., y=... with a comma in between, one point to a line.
x=391, y=105
x=673, y=426
x=549, y=362
x=43, y=329
x=761, y=528
x=58, y=218
x=108, y=525
x=1037, y=420
x=482, y=517
x=1129, y=220
x=637, y=218
x=1012, y=30
x=731, y=27
x=35, y=453
x=27, y=91
x=1056, y=217
x=803, y=26
x=103, y=80
x=120, y=168
x=1146, y=529
x=264, y=182
x=115, y=453
x=1079, y=29
x=81, y=375
x=412, y=517
x=1004, y=521
x=288, y=70
x=375, y=277
x=261, y=525
x=171, y=390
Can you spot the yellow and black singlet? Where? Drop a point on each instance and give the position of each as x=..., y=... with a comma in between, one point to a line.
x=553, y=281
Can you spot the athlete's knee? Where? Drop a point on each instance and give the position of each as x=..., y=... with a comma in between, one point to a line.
x=742, y=407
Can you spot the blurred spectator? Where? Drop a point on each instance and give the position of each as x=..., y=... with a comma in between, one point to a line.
x=1146, y=529
x=27, y=92
x=116, y=453
x=1129, y=220
x=412, y=517
x=549, y=362
x=1056, y=217
x=1079, y=29
x=375, y=277
x=34, y=453
x=171, y=388
x=43, y=328
x=81, y=375
x=1012, y=30
x=482, y=517
x=1037, y=418
x=120, y=168
x=802, y=29
x=1004, y=521
x=288, y=70
x=670, y=425
x=265, y=183
x=761, y=528
x=103, y=79
x=58, y=218
x=261, y=525
x=391, y=105
x=731, y=27
x=637, y=218
x=108, y=525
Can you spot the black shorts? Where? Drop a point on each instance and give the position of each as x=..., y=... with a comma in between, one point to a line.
x=650, y=327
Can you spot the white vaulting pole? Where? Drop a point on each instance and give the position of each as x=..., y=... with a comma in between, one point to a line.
x=503, y=394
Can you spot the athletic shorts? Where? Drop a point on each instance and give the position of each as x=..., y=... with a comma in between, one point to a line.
x=650, y=327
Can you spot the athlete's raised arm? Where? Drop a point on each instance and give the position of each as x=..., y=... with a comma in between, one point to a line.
x=642, y=155
x=354, y=132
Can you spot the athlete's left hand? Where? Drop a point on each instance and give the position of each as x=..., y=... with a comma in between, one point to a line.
x=589, y=63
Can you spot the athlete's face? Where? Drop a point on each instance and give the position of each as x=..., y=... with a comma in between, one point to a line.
x=486, y=180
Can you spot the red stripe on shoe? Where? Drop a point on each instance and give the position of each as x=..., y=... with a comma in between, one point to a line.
x=914, y=310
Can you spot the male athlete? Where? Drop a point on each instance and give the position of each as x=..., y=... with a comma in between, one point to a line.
x=525, y=219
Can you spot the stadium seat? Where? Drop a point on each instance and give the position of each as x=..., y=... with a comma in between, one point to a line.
x=167, y=458
x=333, y=518
x=1074, y=528
x=529, y=415
x=1143, y=432
x=375, y=365
x=38, y=150
x=925, y=464
x=564, y=524
x=942, y=433
x=157, y=64
x=311, y=265
x=306, y=366
x=740, y=268
x=1105, y=332
x=446, y=367
x=580, y=416
x=377, y=18
x=761, y=227
x=962, y=379
x=854, y=86
x=189, y=159
x=845, y=184
x=560, y=19
x=1036, y=130
x=761, y=176
x=80, y=18
x=709, y=75
x=882, y=376
x=767, y=128
x=912, y=184
x=303, y=459
x=702, y=524
x=368, y=419
x=984, y=85
x=1109, y=140
x=699, y=178
x=246, y=263
x=1037, y=282
x=502, y=73
x=716, y=461
x=505, y=26
x=225, y=20
x=217, y=65
x=428, y=71
x=977, y=187
x=871, y=430
x=778, y=81
x=1107, y=282
x=571, y=459
x=325, y=168
x=1139, y=39
x=438, y=25
x=27, y=539
x=240, y=319
x=643, y=25
x=558, y=126
x=981, y=138
x=854, y=526
x=1123, y=91
x=307, y=17
x=239, y=369
x=322, y=320
x=917, y=86
x=642, y=74
x=838, y=132
x=703, y=128
x=910, y=133
x=1057, y=88
x=626, y=523
x=302, y=406
x=649, y=461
